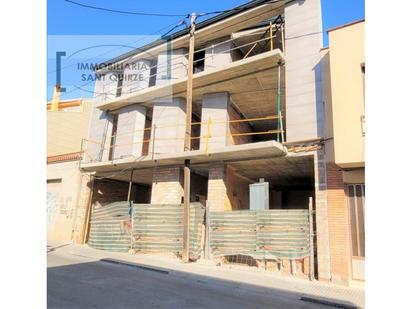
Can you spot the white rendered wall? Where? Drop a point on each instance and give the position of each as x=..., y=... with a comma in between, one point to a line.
x=129, y=135
x=168, y=126
x=303, y=41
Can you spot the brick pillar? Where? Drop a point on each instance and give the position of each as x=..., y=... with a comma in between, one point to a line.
x=167, y=186
x=216, y=191
x=82, y=209
x=321, y=218
x=338, y=225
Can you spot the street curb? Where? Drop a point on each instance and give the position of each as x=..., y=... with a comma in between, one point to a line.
x=130, y=264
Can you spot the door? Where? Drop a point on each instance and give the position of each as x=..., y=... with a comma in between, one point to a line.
x=356, y=201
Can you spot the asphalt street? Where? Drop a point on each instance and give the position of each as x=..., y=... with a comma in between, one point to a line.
x=83, y=282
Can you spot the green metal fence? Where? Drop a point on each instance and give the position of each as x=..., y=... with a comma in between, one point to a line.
x=156, y=228
x=107, y=230
x=264, y=234
x=159, y=228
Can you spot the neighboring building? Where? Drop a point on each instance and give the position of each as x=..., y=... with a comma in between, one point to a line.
x=67, y=123
x=344, y=88
x=258, y=113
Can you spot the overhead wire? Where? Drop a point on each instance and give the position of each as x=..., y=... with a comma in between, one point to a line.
x=124, y=12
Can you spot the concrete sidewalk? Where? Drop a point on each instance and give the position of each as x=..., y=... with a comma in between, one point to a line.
x=208, y=271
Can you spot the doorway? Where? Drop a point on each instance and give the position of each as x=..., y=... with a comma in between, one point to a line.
x=356, y=204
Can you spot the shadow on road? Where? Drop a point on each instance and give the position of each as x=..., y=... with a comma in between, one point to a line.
x=110, y=283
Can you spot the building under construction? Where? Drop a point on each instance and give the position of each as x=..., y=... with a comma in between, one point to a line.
x=228, y=113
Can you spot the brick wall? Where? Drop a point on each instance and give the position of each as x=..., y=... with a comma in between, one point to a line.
x=338, y=225
x=321, y=217
x=237, y=128
x=237, y=190
x=216, y=190
x=167, y=187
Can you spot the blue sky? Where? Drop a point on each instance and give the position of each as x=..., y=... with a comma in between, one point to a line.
x=70, y=27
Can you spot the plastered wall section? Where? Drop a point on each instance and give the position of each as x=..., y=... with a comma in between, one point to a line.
x=65, y=129
x=347, y=94
x=64, y=180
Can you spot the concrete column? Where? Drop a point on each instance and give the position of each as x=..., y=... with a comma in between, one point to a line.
x=106, y=87
x=321, y=208
x=217, y=56
x=167, y=187
x=136, y=76
x=215, y=106
x=79, y=225
x=100, y=129
x=303, y=41
x=217, y=191
x=168, y=126
x=171, y=65
x=130, y=131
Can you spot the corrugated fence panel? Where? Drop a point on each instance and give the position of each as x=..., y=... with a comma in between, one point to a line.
x=159, y=228
x=107, y=231
x=271, y=234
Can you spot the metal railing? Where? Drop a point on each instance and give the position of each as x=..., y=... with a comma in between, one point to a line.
x=205, y=135
x=135, y=86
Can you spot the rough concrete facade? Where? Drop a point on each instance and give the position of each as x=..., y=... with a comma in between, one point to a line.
x=136, y=76
x=303, y=40
x=168, y=126
x=218, y=54
x=98, y=145
x=167, y=187
x=171, y=65
x=130, y=132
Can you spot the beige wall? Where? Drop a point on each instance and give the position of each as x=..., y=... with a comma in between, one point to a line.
x=65, y=129
x=344, y=94
x=63, y=184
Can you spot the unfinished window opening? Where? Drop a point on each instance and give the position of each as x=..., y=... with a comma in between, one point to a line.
x=198, y=187
x=153, y=72
x=199, y=61
x=195, y=132
x=119, y=77
x=113, y=136
x=147, y=132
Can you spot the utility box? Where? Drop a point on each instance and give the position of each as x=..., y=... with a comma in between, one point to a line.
x=259, y=196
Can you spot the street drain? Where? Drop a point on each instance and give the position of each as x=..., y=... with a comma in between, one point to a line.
x=111, y=261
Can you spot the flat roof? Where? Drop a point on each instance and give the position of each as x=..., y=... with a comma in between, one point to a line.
x=346, y=25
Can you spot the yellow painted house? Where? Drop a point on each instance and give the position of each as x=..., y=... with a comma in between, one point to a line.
x=343, y=91
x=67, y=124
